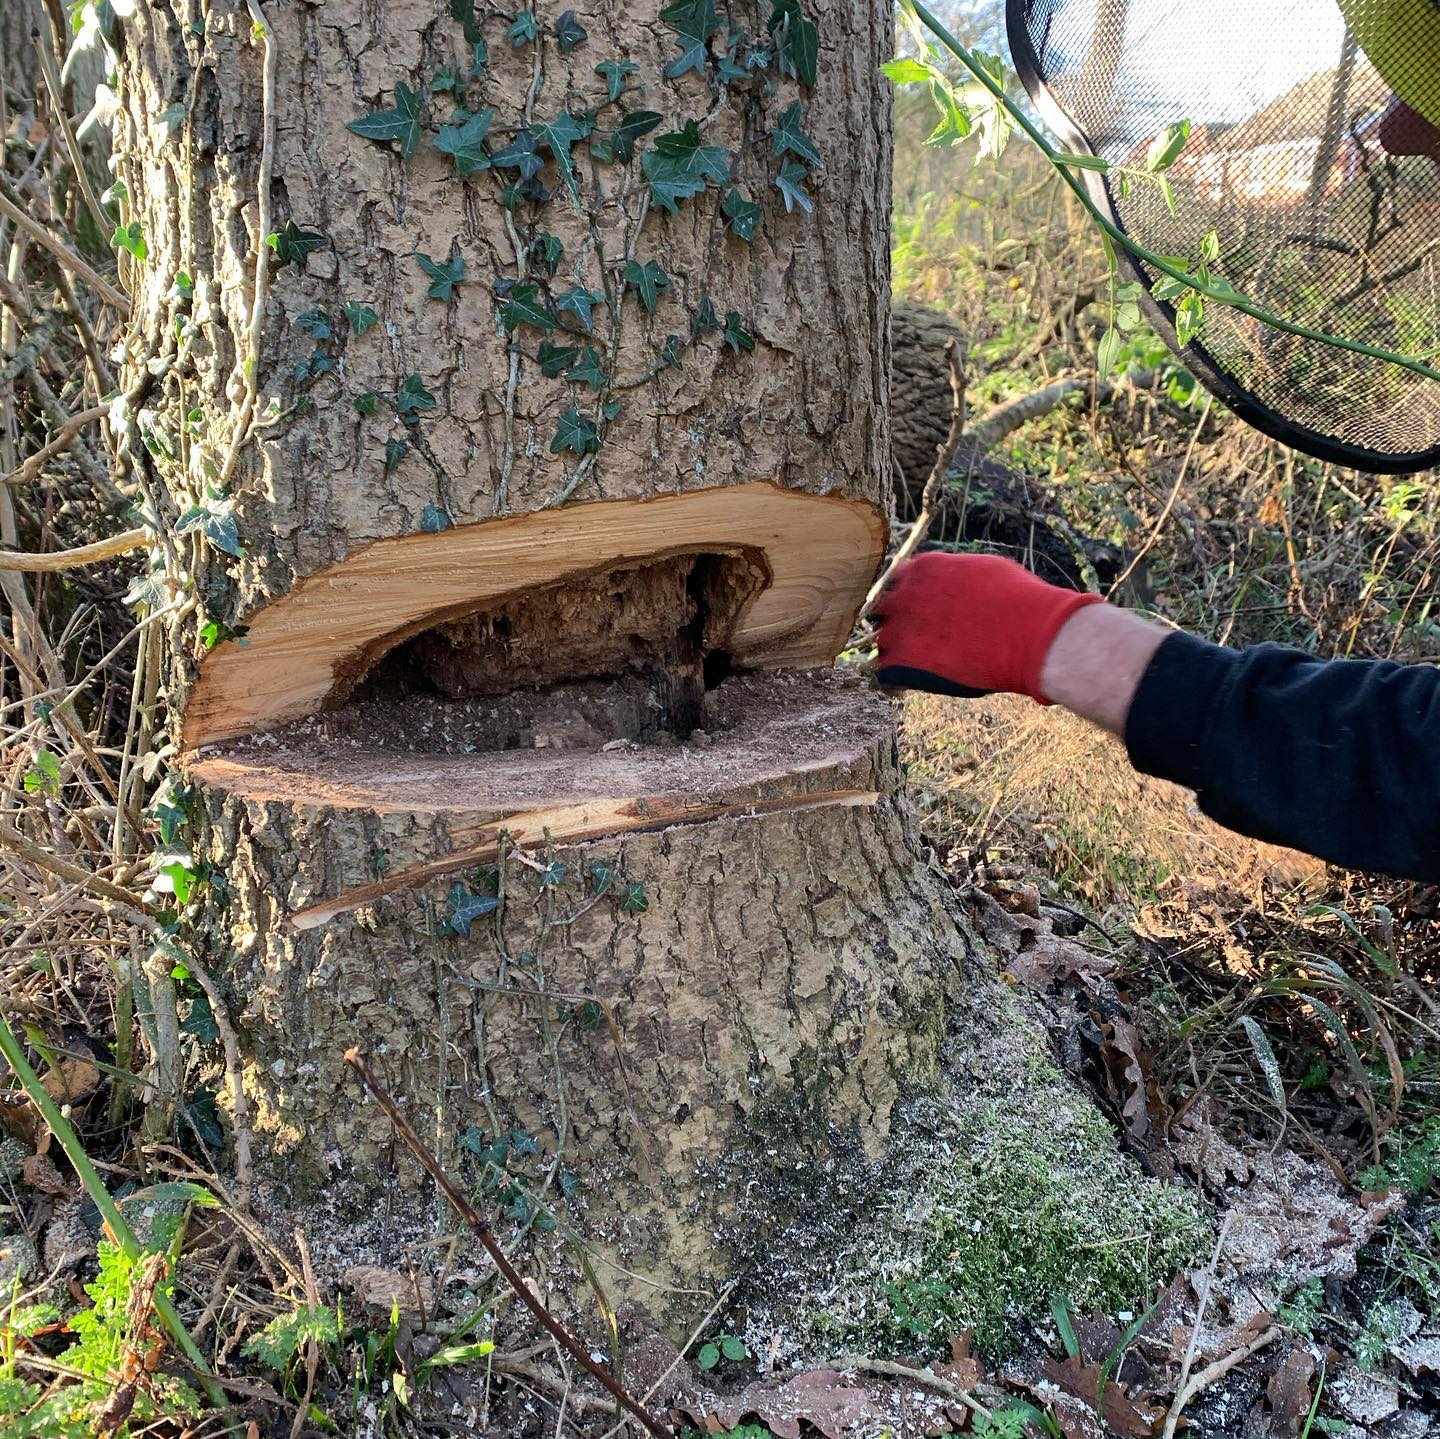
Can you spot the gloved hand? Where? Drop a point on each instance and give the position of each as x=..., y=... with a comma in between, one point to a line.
x=969, y=625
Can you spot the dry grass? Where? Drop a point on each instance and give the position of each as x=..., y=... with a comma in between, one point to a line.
x=1013, y=783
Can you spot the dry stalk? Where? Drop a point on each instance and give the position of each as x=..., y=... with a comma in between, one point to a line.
x=91, y=554
x=486, y=1236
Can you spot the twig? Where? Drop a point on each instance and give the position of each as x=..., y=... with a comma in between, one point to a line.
x=486, y=1236
x=1206, y=1377
x=1182, y=1395
x=240, y=1110
x=128, y=904
x=65, y=256
x=1169, y=505
x=891, y=1370
x=251, y=371
x=61, y=440
x=91, y=554
x=46, y=52
x=944, y=458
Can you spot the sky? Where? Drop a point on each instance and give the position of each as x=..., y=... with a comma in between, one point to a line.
x=1216, y=62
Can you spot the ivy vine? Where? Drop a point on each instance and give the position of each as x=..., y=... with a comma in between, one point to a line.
x=547, y=311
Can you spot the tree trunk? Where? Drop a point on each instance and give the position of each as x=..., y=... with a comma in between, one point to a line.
x=498, y=532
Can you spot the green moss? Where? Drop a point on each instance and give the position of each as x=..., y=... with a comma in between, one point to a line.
x=1004, y=1190
x=1033, y=1203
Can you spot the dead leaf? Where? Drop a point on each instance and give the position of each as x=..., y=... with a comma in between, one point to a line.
x=1363, y=1398
x=1125, y=1073
x=1289, y=1391
x=964, y=1369
x=40, y=1173
x=1031, y=953
x=1122, y=1414
x=68, y=1239
x=72, y=1080
x=1199, y=1146
x=389, y=1288
x=1419, y=1355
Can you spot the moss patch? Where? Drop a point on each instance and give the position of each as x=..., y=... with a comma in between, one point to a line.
x=1004, y=1189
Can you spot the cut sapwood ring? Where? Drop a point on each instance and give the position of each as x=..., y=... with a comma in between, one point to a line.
x=305, y=651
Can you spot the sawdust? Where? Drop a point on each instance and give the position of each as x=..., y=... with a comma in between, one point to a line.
x=773, y=727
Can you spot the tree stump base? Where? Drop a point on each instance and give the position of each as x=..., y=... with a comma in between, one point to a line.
x=580, y=969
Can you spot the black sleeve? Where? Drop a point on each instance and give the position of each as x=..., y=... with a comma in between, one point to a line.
x=1340, y=758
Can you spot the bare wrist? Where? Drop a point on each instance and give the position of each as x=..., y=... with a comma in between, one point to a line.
x=1096, y=662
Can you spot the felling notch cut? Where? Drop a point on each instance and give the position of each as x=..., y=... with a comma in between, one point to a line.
x=307, y=650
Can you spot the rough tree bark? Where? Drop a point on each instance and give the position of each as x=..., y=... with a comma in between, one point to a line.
x=488, y=689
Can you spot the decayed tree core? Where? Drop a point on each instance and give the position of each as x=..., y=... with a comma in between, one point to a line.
x=309, y=649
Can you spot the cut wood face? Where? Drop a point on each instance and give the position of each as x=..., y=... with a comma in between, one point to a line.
x=308, y=650
x=775, y=743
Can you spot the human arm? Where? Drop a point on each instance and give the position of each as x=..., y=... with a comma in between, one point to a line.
x=1339, y=758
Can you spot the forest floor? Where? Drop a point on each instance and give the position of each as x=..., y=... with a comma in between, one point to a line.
x=1258, y=1028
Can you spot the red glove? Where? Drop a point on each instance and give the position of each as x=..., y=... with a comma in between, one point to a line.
x=969, y=625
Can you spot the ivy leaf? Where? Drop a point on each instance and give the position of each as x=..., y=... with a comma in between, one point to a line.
x=557, y=136
x=678, y=165
x=634, y=900
x=589, y=371
x=520, y=154
x=705, y=322
x=317, y=322
x=575, y=432
x=465, y=143
x=412, y=398
x=360, y=317
x=548, y=248
x=524, y=30
x=293, y=244
x=433, y=519
x=366, y=404
x=736, y=335
x=670, y=352
x=479, y=58
x=442, y=80
x=556, y=359
x=443, y=277
x=464, y=12
x=215, y=520
x=395, y=451
x=131, y=237
x=465, y=908
x=648, y=280
x=797, y=41
x=570, y=32
x=635, y=124
x=790, y=182
x=740, y=213
x=403, y=123
x=789, y=137
x=523, y=306
x=580, y=302
x=695, y=21
x=615, y=72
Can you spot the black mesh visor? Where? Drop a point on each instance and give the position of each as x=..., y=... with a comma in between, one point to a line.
x=1314, y=154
